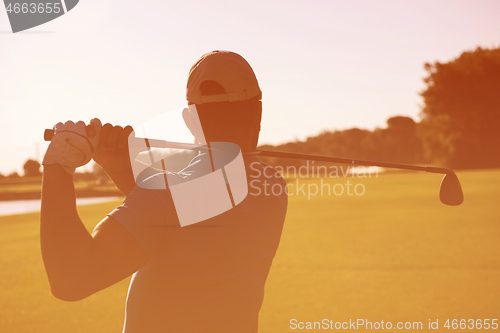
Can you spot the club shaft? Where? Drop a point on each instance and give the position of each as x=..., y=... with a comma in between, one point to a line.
x=49, y=133
x=270, y=153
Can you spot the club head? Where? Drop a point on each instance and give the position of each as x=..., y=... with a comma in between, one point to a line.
x=451, y=192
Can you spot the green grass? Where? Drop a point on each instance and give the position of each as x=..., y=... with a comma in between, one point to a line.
x=26, y=302
x=394, y=254
x=21, y=184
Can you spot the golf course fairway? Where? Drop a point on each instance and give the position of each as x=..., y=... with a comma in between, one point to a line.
x=394, y=253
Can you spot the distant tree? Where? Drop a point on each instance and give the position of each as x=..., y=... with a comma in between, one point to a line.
x=461, y=116
x=351, y=142
x=31, y=168
x=401, y=124
x=399, y=142
x=13, y=175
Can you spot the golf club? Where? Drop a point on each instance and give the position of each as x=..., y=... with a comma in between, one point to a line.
x=450, y=192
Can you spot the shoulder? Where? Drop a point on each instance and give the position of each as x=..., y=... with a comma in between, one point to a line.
x=258, y=169
x=266, y=184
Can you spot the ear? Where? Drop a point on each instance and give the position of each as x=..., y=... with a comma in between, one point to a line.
x=193, y=123
x=186, y=115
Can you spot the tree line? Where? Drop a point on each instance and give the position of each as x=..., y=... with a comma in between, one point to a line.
x=32, y=169
x=459, y=126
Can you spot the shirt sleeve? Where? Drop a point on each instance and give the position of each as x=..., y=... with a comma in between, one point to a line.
x=149, y=215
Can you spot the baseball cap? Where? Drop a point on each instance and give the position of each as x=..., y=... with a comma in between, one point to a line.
x=228, y=69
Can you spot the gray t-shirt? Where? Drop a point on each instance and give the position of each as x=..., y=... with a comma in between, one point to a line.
x=209, y=276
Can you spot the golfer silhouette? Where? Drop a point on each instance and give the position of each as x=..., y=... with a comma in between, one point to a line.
x=203, y=277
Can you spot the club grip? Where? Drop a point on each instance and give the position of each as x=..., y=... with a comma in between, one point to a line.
x=48, y=134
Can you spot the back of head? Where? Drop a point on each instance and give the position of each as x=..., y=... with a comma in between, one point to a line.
x=227, y=96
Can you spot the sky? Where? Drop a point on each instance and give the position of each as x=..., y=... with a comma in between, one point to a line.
x=321, y=65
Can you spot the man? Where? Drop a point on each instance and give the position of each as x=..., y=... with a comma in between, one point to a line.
x=205, y=277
